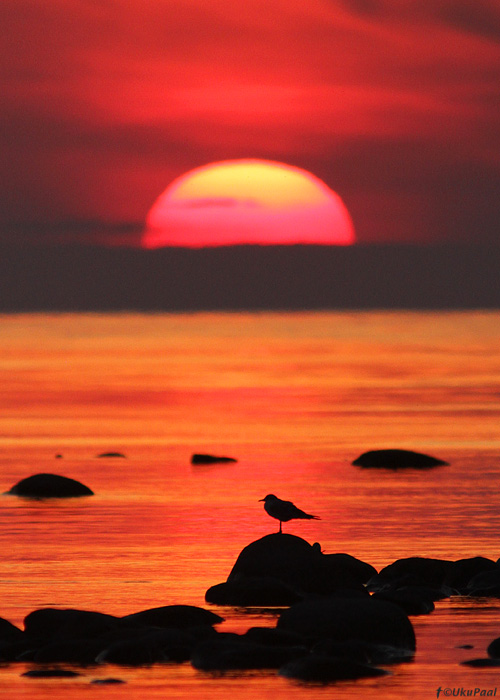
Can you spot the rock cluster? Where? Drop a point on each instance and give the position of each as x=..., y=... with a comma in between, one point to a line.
x=341, y=619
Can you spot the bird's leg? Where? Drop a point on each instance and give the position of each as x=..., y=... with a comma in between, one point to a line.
x=279, y=531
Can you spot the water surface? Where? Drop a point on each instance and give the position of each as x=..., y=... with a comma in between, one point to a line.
x=295, y=397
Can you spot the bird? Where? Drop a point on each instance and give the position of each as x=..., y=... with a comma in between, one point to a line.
x=284, y=510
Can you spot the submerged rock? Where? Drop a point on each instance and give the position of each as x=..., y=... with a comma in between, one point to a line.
x=49, y=486
x=397, y=459
x=111, y=454
x=210, y=459
x=318, y=668
x=344, y=619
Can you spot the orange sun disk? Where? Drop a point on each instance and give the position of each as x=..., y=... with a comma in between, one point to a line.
x=253, y=202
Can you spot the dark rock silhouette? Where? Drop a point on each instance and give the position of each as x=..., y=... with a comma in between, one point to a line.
x=463, y=570
x=111, y=454
x=397, y=459
x=253, y=591
x=410, y=601
x=418, y=571
x=199, y=458
x=485, y=584
x=234, y=652
x=342, y=619
x=82, y=652
x=107, y=681
x=494, y=649
x=319, y=668
x=175, y=616
x=481, y=663
x=49, y=486
x=9, y=632
x=50, y=673
x=53, y=623
x=148, y=647
x=299, y=565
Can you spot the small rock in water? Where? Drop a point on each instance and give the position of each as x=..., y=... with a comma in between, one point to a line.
x=107, y=681
x=51, y=673
x=397, y=459
x=49, y=486
x=210, y=459
x=111, y=454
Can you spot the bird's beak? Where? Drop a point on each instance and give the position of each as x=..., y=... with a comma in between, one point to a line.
x=261, y=499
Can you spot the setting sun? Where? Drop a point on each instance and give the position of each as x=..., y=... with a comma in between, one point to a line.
x=249, y=201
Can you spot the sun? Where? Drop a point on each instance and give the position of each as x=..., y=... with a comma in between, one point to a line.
x=252, y=202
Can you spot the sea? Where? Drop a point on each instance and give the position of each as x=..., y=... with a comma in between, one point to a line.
x=294, y=397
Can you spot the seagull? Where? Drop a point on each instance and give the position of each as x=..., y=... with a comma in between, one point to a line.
x=284, y=510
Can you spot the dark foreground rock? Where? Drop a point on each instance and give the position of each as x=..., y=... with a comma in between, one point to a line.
x=49, y=486
x=174, y=616
x=279, y=568
x=463, y=570
x=50, y=624
x=254, y=591
x=415, y=571
x=326, y=669
x=231, y=652
x=199, y=458
x=397, y=459
x=343, y=619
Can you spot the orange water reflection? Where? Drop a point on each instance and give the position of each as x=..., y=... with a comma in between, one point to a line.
x=295, y=397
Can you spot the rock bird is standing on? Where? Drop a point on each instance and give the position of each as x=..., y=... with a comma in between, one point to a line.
x=284, y=510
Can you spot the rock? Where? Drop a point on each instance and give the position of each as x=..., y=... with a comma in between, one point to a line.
x=365, y=652
x=210, y=459
x=152, y=646
x=317, y=668
x=494, y=649
x=49, y=486
x=70, y=651
x=9, y=632
x=344, y=619
x=397, y=459
x=176, y=616
x=416, y=571
x=233, y=652
x=411, y=603
x=51, y=673
x=464, y=570
x=485, y=583
x=54, y=623
x=107, y=681
x=271, y=636
x=111, y=454
x=253, y=592
x=481, y=663
x=299, y=565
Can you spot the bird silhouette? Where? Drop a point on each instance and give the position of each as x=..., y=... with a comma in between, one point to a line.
x=284, y=510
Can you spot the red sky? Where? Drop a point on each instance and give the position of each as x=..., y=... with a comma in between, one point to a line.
x=393, y=103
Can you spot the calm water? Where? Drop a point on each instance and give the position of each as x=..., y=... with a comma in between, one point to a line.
x=295, y=397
